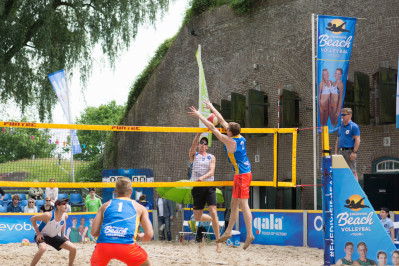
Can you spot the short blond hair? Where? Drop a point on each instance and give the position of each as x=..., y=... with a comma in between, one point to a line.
x=123, y=186
x=347, y=110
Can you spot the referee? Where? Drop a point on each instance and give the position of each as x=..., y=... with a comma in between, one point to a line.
x=348, y=140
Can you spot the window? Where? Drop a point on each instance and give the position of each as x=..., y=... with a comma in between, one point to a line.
x=238, y=108
x=385, y=80
x=257, y=109
x=290, y=109
x=362, y=98
x=357, y=97
x=234, y=110
x=386, y=165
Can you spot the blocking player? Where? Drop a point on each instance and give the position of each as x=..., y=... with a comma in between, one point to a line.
x=235, y=146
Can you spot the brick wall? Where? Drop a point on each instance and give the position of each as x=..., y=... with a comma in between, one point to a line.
x=277, y=37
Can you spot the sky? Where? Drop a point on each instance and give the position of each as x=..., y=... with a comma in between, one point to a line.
x=107, y=84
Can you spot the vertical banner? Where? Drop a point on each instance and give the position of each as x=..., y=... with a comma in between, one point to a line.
x=334, y=47
x=397, y=99
x=60, y=87
x=203, y=95
x=75, y=143
x=358, y=232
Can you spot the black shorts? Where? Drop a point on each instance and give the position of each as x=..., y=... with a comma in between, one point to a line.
x=55, y=242
x=203, y=195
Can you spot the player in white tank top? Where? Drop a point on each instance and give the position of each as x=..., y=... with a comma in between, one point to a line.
x=200, y=166
x=203, y=169
x=53, y=227
x=47, y=232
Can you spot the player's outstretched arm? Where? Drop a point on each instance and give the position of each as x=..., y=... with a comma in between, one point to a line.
x=194, y=147
x=223, y=138
x=219, y=116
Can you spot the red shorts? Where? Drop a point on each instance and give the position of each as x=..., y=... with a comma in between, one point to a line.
x=241, y=185
x=131, y=254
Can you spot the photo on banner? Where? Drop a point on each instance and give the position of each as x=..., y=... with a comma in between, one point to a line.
x=334, y=46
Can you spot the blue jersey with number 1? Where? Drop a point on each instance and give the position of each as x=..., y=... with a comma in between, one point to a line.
x=239, y=159
x=120, y=222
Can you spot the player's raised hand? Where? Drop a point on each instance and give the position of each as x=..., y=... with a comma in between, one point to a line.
x=194, y=112
x=208, y=104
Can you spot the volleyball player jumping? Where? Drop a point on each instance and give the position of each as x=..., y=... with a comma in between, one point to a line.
x=235, y=146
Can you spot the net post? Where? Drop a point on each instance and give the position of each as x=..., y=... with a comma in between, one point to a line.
x=325, y=142
x=294, y=143
x=275, y=159
x=327, y=198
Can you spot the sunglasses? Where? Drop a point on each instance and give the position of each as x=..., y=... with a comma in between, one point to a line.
x=30, y=201
x=48, y=200
x=204, y=143
x=63, y=203
x=344, y=114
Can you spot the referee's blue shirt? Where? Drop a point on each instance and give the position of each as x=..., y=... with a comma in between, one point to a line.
x=346, y=134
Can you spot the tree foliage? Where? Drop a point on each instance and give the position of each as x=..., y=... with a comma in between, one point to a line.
x=142, y=79
x=41, y=37
x=22, y=143
x=94, y=141
x=200, y=6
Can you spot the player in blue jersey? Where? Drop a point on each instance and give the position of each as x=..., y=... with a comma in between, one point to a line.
x=235, y=146
x=116, y=225
x=47, y=232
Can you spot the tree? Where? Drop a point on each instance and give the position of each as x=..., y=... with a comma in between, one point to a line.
x=94, y=141
x=41, y=37
x=23, y=143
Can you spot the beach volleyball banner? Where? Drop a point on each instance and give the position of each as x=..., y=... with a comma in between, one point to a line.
x=203, y=95
x=315, y=230
x=275, y=228
x=15, y=227
x=397, y=99
x=334, y=47
x=355, y=221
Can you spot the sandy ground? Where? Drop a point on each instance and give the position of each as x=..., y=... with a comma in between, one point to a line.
x=161, y=253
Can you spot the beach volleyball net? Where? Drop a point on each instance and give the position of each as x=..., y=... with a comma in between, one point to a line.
x=80, y=155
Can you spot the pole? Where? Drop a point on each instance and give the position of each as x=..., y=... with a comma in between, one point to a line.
x=278, y=106
x=314, y=117
x=70, y=121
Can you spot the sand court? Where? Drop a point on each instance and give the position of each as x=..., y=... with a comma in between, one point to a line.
x=161, y=253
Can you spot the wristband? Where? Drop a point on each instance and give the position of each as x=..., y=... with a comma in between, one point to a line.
x=354, y=152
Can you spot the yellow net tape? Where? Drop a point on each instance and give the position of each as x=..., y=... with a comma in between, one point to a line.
x=134, y=184
x=138, y=128
x=273, y=131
